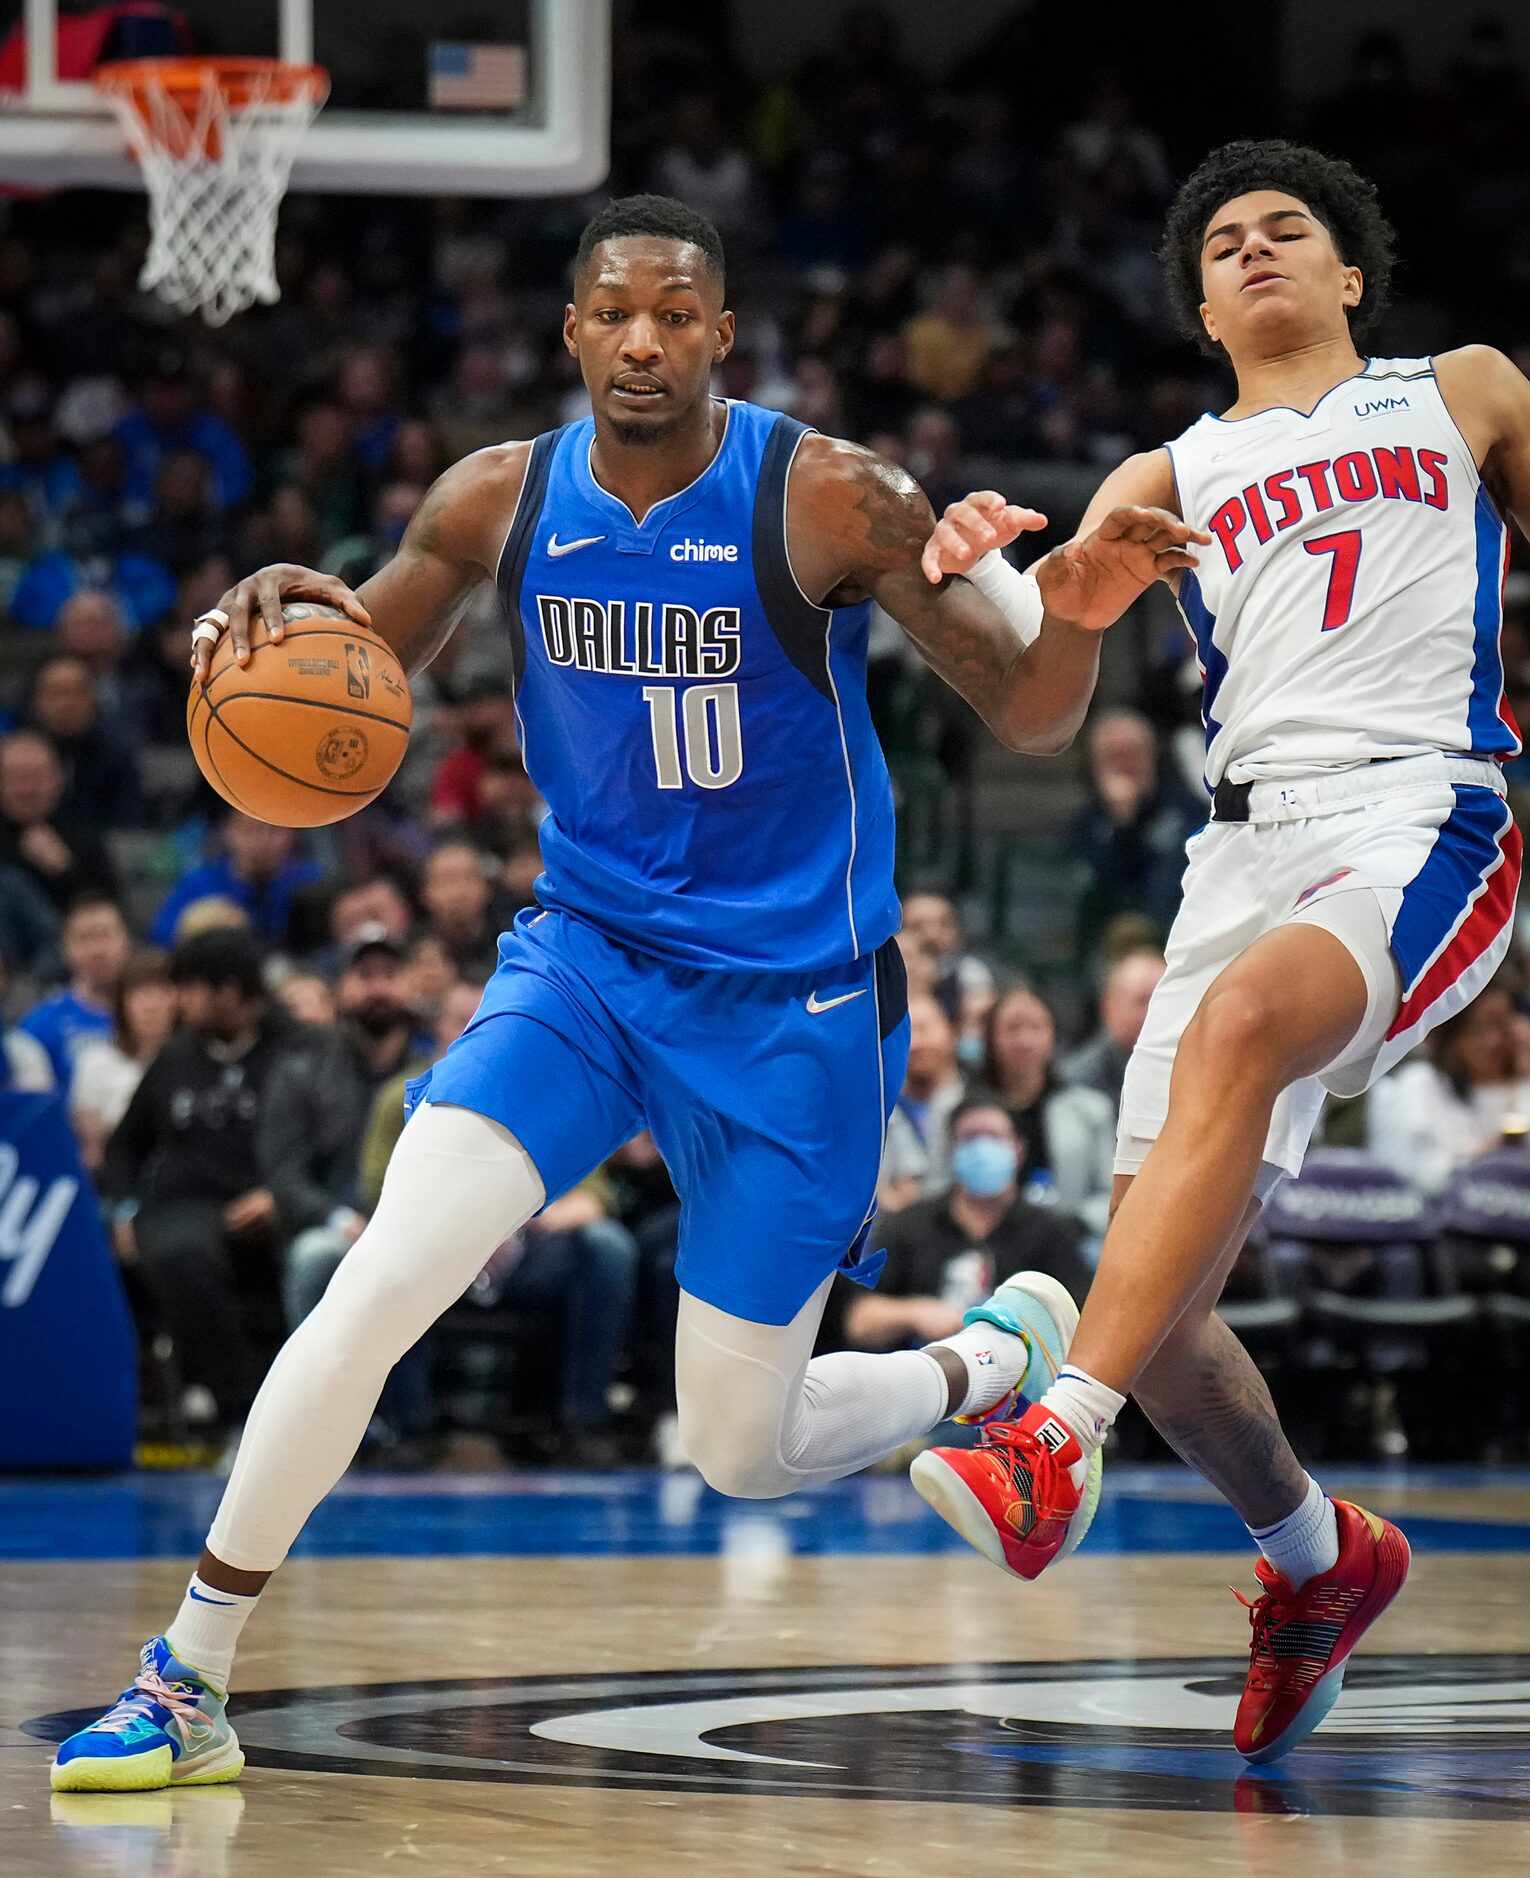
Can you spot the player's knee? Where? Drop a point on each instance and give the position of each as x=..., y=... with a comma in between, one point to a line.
x=1238, y=1031
x=745, y=1464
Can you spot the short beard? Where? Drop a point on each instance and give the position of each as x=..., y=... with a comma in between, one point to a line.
x=641, y=434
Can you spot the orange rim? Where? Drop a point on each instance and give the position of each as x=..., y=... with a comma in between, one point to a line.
x=274, y=81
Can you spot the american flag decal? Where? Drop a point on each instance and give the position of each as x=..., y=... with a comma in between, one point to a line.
x=476, y=78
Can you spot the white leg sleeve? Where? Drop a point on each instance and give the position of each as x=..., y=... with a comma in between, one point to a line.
x=759, y=1419
x=458, y=1185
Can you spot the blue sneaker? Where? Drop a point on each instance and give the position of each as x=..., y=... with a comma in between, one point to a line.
x=1039, y=1310
x=169, y=1728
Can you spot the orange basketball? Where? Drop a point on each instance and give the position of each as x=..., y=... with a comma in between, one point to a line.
x=312, y=729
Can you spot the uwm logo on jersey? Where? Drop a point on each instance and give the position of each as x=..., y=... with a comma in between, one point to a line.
x=1262, y=510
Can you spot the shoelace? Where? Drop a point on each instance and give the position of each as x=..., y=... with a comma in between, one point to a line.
x=149, y=1688
x=1043, y=1474
x=1264, y=1615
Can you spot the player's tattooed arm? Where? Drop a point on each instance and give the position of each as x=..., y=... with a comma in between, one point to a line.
x=451, y=543
x=863, y=526
x=1489, y=398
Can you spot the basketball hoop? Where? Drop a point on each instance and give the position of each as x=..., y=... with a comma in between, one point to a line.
x=215, y=139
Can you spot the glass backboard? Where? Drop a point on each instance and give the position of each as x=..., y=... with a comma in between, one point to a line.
x=431, y=97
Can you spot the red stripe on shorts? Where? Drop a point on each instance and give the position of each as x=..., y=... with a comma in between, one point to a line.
x=1476, y=933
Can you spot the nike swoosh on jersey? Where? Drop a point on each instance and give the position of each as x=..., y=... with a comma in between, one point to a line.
x=557, y=548
x=814, y=1007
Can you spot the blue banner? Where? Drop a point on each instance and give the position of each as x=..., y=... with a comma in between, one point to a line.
x=68, y=1361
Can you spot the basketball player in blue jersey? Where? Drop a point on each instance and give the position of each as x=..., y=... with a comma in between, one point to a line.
x=1354, y=888
x=687, y=587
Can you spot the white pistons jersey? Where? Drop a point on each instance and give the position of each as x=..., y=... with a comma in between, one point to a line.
x=1350, y=602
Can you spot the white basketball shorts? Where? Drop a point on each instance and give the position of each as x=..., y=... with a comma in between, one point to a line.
x=1412, y=864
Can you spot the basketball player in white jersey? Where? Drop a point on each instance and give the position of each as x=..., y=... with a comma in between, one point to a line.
x=1354, y=887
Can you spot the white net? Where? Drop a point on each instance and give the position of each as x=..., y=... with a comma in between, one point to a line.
x=216, y=151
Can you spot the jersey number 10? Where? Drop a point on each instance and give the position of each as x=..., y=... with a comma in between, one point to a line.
x=713, y=736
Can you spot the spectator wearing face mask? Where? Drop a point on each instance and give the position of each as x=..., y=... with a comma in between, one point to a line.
x=1069, y=1133
x=948, y=1251
x=1100, y=1061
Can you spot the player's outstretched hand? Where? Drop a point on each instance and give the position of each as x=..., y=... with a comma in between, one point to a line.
x=1092, y=581
x=969, y=528
x=263, y=594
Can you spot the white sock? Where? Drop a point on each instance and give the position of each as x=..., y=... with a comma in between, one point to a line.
x=1304, y=1544
x=1086, y=1408
x=206, y=1630
x=995, y=1359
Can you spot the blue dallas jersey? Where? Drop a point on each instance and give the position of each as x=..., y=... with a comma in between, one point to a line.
x=698, y=728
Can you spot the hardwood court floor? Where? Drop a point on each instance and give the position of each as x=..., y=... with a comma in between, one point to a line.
x=629, y=1675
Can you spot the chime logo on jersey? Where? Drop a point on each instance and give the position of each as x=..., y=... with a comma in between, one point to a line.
x=639, y=638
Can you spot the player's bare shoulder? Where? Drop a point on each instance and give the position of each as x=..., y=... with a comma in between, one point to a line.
x=467, y=510
x=1489, y=398
x=850, y=516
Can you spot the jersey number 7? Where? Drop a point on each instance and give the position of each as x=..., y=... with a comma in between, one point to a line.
x=1345, y=549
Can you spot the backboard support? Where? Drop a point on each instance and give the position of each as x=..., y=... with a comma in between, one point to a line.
x=57, y=133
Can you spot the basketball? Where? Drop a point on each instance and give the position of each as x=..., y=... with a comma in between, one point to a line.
x=312, y=729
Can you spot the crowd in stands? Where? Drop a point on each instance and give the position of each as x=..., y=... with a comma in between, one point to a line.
x=231, y=1011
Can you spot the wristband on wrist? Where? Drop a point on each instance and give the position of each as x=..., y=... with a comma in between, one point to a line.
x=1016, y=595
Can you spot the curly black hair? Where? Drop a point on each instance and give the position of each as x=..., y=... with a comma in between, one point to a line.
x=1336, y=193
x=662, y=216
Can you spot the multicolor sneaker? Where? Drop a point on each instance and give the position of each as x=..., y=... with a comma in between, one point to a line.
x=1013, y=1496
x=168, y=1728
x=1303, y=1638
x=1037, y=1309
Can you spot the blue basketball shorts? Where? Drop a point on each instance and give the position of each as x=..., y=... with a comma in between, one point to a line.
x=767, y=1094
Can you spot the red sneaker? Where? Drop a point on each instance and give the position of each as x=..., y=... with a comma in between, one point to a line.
x=1012, y=1496
x=1303, y=1639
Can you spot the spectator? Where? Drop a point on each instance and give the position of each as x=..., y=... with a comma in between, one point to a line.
x=107, y=1069
x=168, y=419
x=1100, y=1062
x=18, y=540
x=916, y=1158
x=60, y=856
x=308, y=997
x=1468, y=1093
x=185, y=527
x=519, y=876
x=947, y=346
x=259, y=870
x=456, y=896
x=25, y=1068
x=101, y=788
x=947, y=1252
x=155, y=676
x=314, y=1118
x=141, y=587
x=1069, y=1135
x=1130, y=839
x=703, y=168
x=385, y=1122
x=182, y=1178
x=29, y=921
x=931, y=918
x=486, y=720
x=43, y=471
x=95, y=943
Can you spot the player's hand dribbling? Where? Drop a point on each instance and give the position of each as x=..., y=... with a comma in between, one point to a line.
x=969, y=528
x=1091, y=582
x=263, y=594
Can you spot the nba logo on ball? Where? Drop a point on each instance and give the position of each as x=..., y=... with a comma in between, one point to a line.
x=341, y=752
x=358, y=671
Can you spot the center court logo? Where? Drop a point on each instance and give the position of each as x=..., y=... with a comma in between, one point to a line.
x=689, y=550
x=1451, y=1733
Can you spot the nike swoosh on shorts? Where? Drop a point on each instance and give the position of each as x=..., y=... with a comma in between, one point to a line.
x=557, y=548
x=814, y=1007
